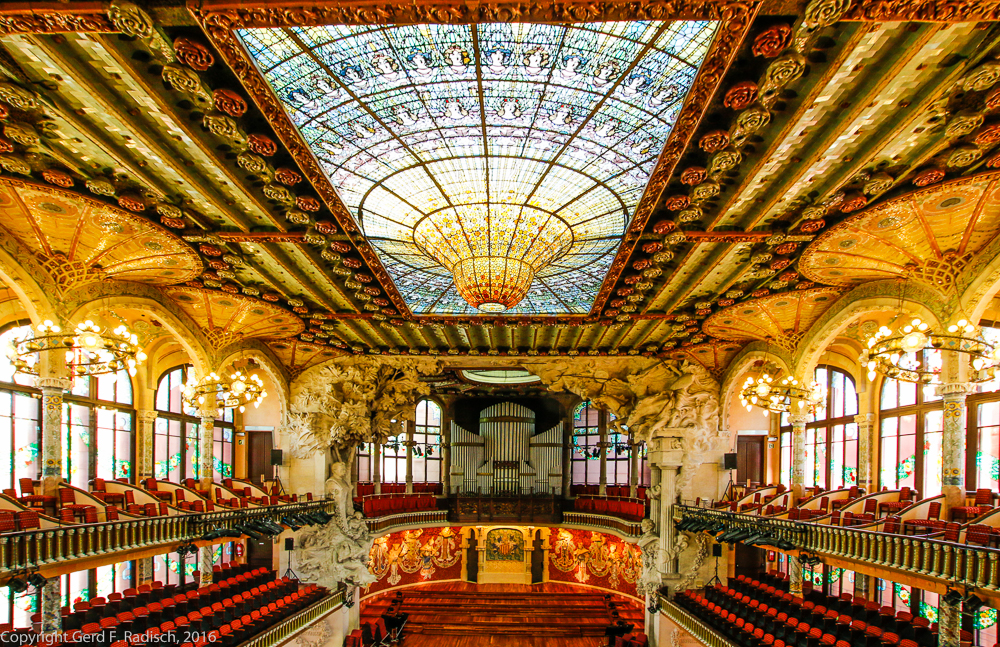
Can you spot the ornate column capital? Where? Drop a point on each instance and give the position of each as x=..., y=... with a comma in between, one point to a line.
x=798, y=419
x=864, y=418
x=206, y=414
x=146, y=415
x=62, y=383
x=955, y=390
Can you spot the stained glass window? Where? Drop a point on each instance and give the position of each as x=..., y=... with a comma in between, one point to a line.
x=453, y=141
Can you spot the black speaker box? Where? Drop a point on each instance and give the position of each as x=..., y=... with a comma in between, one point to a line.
x=276, y=456
x=289, y=543
x=729, y=461
x=716, y=550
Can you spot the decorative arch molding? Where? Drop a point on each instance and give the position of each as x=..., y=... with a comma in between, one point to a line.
x=751, y=353
x=269, y=364
x=148, y=300
x=980, y=282
x=33, y=286
x=882, y=296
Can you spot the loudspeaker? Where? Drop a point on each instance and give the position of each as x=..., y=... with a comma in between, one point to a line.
x=276, y=456
x=289, y=543
x=716, y=549
x=729, y=461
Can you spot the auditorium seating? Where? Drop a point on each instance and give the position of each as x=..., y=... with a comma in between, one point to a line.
x=240, y=603
x=383, y=504
x=982, y=503
x=633, y=509
x=889, y=507
x=616, y=491
x=753, y=613
x=368, y=489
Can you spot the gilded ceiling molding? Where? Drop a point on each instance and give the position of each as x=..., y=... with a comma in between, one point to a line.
x=924, y=11
x=110, y=297
x=54, y=17
x=221, y=20
x=870, y=298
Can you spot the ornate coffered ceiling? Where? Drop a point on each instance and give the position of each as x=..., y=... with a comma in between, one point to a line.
x=173, y=162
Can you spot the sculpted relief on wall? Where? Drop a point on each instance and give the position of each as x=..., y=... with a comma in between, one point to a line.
x=334, y=408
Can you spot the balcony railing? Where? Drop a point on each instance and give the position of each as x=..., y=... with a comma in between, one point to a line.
x=949, y=562
x=55, y=547
x=388, y=522
x=701, y=632
x=622, y=526
x=281, y=632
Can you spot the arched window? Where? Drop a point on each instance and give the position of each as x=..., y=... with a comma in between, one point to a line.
x=176, y=451
x=98, y=426
x=586, y=457
x=20, y=418
x=427, y=436
x=831, y=438
x=910, y=434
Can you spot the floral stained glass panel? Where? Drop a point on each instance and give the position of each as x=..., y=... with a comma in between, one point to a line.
x=503, y=127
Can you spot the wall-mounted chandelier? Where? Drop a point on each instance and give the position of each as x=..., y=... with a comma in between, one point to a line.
x=237, y=390
x=777, y=398
x=89, y=349
x=898, y=354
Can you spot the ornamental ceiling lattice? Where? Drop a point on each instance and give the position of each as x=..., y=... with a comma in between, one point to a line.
x=447, y=143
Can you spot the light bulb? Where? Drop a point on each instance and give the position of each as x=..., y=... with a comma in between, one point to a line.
x=763, y=390
x=871, y=376
x=242, y=408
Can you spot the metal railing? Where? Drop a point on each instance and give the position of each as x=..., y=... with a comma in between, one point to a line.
x=950, y=562
x=605, y=522
x=48, y=547
x=700, y=631
x=290, y=626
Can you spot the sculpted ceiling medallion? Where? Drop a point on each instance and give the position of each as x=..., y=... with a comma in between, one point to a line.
x=494, y=167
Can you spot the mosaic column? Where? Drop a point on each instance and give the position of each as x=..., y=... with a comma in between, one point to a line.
x=865, y=422
x=144, y=444
x=206, y=446
x=668, y=496
x=953, y=438
x=862, y=585
x=633, y=481
x=409, y=457
x=798, y=421
x=794, y=576
x=602, y=447
x=377, y=467
x=205, y=564
x=144, y=567
x=52, y=606
x=52, y=419
x=949, y=620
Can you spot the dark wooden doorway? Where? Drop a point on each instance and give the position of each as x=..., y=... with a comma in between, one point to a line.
x=750, y=459
x=259, y=455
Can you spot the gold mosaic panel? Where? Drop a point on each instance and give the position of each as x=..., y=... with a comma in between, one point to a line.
x=928, y=233
x=92, y=239
x=781, y=318
x=230, y=317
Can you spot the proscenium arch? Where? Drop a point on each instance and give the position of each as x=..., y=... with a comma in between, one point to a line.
x=866, y=299
x=185, y=332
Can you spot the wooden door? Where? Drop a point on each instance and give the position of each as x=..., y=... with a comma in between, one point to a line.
x=259, y=455
x=750, y=459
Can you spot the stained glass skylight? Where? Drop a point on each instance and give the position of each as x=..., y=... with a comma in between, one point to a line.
x=451, y=141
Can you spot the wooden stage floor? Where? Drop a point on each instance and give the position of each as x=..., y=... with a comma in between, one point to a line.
x=459, y=614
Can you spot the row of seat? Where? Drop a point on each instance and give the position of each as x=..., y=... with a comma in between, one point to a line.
x=632, y=509
x=621, y=491
x=368, y=489
x=378, y=505
x=151, y=604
